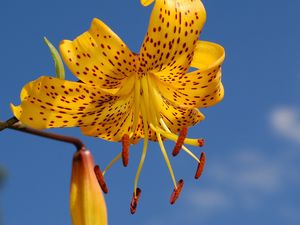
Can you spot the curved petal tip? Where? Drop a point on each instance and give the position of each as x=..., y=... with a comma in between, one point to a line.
x=146, y=2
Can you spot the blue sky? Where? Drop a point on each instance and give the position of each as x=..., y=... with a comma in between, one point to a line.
x=253, y=136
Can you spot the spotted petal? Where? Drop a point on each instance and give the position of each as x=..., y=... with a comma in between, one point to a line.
x=99, y=57
x=171, y=38
x=176, y=117
x=50, y=102
x=146, y=2
x=114, y=125
x=200, y=88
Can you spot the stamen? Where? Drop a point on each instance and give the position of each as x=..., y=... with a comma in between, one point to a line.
x=164, y=152
x=200, y=165
x=176, y=192
x=183, y=147
x=100, y=179
x=201, y=142
x=174, y=137
x=125, y=149
x=112, y=163
x=190, y=153
x=145, y=146
x=137, y=88
x=180, y=140
x=135, y=198
x=155, y=96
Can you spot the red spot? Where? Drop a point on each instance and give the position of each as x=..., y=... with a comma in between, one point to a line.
x=176, y=192
x=134, y=201
x=201, y=165
x=100, y=179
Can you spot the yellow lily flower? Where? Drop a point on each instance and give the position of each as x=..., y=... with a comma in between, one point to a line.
x=87, y=202
x=123, y=96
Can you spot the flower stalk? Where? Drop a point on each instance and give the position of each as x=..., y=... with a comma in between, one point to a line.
x=14, y=124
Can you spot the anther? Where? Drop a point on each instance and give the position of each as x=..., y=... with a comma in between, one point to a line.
x=125, y=149
x=201, y=142
x=201, y=165
x=176, y=192
x=134, y=201
x=180, y=141
x=100, y=179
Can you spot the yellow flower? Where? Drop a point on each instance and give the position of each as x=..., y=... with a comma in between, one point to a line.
x=123, y=96
x=86, y=203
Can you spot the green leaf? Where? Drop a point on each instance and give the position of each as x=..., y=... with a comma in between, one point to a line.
x=59, y=66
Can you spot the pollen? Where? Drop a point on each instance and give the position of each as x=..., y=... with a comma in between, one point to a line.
x=176, y=192
x=201, y=142
x=135, y=198
x=201, y=165
x=125, y=149
x=100, y=179
x=180, y=141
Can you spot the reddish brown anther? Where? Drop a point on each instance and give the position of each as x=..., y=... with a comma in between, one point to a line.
x=180, y=141
x=201, y=142
x=125, y=149
x=176, y=192
x=134, y=201
x=201, y=165
x=100, y=179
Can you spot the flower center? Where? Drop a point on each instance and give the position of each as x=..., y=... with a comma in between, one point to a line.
x=147, y=100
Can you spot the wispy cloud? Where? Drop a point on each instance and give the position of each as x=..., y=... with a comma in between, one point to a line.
x=242, y=179
x=286, y=122
x=249, y=170
x=209, y=198
x=247, y=181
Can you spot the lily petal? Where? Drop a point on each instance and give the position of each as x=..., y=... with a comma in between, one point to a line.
x=112, y=131
x=86, y=202
x=146, y=2
x=99, y=57
x=177, y=117
x=200, y=88
x=50, y=102
x=171, y=39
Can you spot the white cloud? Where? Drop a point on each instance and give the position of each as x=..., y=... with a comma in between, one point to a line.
x=290, y=213
x=208, y=199
x=248, y=171
x=286, y=122
x=248, y=180
x=257, y=173
x=243, y=180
